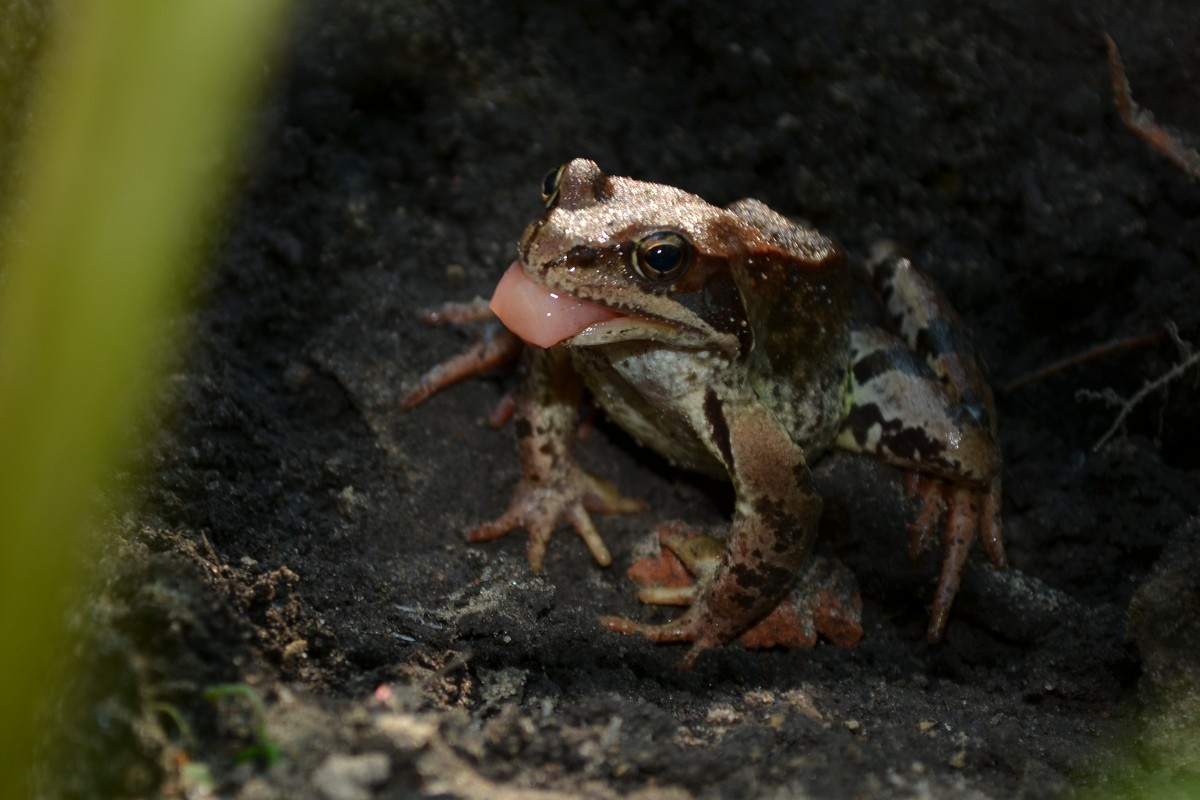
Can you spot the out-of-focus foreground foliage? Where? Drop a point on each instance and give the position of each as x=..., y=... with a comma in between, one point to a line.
x=130, y=129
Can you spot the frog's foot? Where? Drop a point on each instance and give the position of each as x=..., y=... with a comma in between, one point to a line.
x=966, y=512
x=823, y=599
x=498, y=347
x=540, y=506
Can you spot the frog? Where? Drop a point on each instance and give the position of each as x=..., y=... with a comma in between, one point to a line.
x=726, y=340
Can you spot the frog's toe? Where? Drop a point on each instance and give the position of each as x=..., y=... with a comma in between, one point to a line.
x=582, y=523
x=679, y=630
x=603, y=497
x=992, y=532
x=498, y=348
x=930, y=492
x=962, y=520
x=541, y=506
x=541, y=530
x=494, y=529
x=682, y=629
x=963, y=513
x=667, y=595
x=970, y=513
x=518, y=515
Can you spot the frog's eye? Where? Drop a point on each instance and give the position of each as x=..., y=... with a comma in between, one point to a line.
x=551, y=184
x=662, y=255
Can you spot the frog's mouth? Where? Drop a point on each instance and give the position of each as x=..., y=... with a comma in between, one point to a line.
x=543, y=317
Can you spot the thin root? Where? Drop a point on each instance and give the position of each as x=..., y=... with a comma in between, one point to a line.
x=1189, y=359
x=1142, y=123
x=1079, y=359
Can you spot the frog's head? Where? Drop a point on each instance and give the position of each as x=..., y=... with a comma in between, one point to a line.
x=615, y=259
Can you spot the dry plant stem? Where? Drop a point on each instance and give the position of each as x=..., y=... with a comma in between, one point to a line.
x=1190, y=359
x=1142, y=122
x=1079, y=359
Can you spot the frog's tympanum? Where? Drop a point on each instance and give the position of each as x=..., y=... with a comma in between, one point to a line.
x=723, y=339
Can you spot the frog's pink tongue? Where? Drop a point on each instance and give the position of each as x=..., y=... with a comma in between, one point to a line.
x=538, y=315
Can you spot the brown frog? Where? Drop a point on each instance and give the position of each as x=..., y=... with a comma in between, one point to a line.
x=723, y=339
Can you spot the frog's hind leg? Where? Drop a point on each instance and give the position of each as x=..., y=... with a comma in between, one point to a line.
x=923, y=404
x=823, y=600
x=932, y=328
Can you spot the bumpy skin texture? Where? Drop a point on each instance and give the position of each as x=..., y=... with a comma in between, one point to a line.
x=735, y=355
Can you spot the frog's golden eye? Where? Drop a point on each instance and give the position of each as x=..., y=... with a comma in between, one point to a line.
x=662, y=255
x=551, y=184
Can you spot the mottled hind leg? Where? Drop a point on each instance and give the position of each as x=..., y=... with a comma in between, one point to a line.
x=923, y=404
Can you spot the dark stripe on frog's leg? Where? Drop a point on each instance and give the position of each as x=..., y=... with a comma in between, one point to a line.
x=911, y=301
x=958, y=410
x=868, y=366
x=924, y=318
x=944, y=337
x=901, y=412
x=893, y=440
x=952, y=356
x=917, y=310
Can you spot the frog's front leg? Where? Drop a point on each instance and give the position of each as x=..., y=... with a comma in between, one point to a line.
x=927, y=408
x=553, y=488
x=496, y=348
x=775, y=521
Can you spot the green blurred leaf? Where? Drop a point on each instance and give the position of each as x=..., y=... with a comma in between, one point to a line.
x=137, y=119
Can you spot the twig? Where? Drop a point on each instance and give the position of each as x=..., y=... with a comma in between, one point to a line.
x=1141, y=121
x=1190, y=359
x=1079, y=359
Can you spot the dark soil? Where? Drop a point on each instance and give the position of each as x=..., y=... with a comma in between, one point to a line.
x=293, y=531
